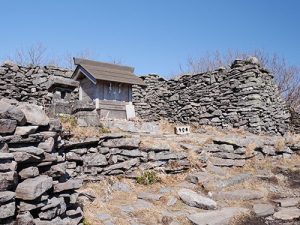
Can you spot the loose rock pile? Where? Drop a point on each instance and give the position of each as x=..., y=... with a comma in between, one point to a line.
x=116, y=154
x=243, y=96
x=34, y=185
x=29, y=84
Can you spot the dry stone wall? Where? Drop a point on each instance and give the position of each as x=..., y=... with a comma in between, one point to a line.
x=34, y=185
x=29, y=84
x=115, y=154
x=243, y=96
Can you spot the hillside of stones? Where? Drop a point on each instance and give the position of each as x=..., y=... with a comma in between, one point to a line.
x=42, y=170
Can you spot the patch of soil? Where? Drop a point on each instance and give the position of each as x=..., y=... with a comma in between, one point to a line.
x=253, y=220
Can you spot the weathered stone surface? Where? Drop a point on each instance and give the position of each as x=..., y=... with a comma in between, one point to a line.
x=47, y=145
x=7, y=210
x=288, y=202
x=126, y=143
x=32, y=188
x=7, y=126
x=29, y=172
x=34, y=114
x=4, y=156
x=68, y=185
x=6, y=196
x=217, y=217
x=119, y=186
x=240, y=194
x=8, y=180
x=191, y=198
x=8, y=111
x=263, y=209
x=25, y=130
x=25, y=218
x=227, y=162
x=31, y=150
x=95, y=159
x=149, y=196
x=154, y=146
x=123, y=165
x=287, y=213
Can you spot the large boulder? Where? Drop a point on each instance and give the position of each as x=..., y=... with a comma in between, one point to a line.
x=34, y=114
x=32, y=188
x=8, y=111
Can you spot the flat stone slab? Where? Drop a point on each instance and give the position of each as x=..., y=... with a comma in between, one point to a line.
x=241, y=194
x=149, y=196
x=25, y=130
x=194, y=199
x=7, y=210
x=68, y=185
x=29, y=172
x=6, y=196
x=217, y=217
x=119, y=186
x=7, y=126
x=288, y=202
x=227, y=162
x=140, y=204
x=263, y=209
x=32, y=188
x=287, y=213
x=31, y=150
x=126, y=143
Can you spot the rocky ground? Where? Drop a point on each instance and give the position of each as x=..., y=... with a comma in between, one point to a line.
x=247, y=179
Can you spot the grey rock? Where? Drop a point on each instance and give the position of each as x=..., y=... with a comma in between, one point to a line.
x=119, y=186
x=29, y=172
x=68, y=185
x=47, y=145
x=263, y=209
x=287, y=213
x=217, y=217
x=32, y=188
x=126, y=143
x=25, y=130
x=8, y=111
x=7, y=210
x=288, y=202
x=7, y=126
x=34, y=114
x=227, y=162
x=31, y=150
x=194, y=199
x=140, y=204
x=95, y=159
x=172, y=201
x=8, y=180
x=123, y=165
x=149, y=196
x=6, y=156
x=240, y=194
x=24, y=218
x=6, y=196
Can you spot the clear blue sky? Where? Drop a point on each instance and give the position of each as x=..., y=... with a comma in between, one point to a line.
x=154, y=36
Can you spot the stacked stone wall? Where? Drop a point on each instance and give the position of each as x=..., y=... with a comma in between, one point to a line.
x=243, y=96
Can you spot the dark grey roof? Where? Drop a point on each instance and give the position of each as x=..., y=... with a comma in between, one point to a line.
x=107, y=71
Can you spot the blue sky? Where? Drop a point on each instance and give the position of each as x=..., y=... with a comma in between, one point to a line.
x=154, y=36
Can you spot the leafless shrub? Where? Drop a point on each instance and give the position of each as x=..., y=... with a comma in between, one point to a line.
x=34, y=55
